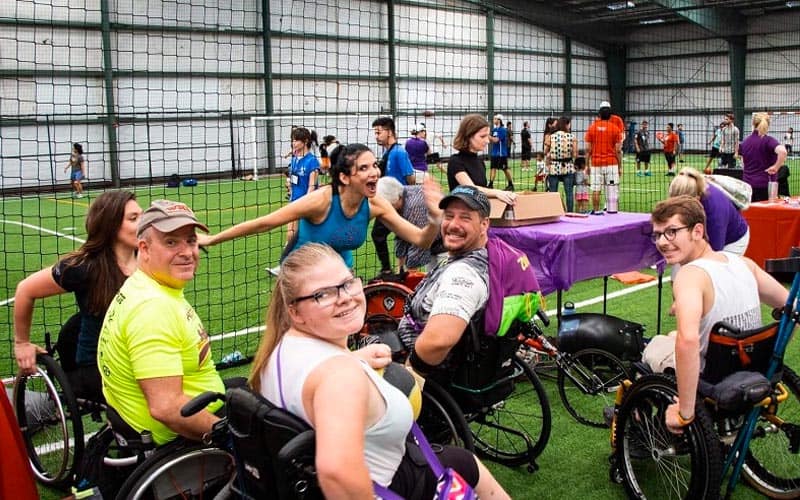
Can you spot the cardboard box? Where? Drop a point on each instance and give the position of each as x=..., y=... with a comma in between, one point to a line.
x=531, y=208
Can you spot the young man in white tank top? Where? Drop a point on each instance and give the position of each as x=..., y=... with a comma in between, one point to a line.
x=709, y=287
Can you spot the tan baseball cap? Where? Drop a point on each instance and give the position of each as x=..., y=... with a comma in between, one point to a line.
x=167, y=216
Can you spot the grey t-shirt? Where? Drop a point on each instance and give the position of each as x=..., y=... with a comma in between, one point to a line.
x=458, y=287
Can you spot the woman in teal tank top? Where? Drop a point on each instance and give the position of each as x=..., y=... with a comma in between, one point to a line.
x=339, y=214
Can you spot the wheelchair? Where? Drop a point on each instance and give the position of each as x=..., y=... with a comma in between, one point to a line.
x=51, y=416
x=753, y=429
x=487, y=399
x=274, y=450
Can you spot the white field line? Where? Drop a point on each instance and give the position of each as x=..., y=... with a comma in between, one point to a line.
x=41, y=230
x=595, y=300
x=51, y=447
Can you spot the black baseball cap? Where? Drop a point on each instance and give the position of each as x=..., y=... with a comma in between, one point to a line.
x=471, y=195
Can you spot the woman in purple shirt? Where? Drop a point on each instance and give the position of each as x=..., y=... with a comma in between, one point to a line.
x=726, y=229
x=762, y=155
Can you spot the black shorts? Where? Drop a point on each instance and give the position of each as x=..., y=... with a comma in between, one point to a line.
x=727, y=159
x=525, y=154
x=714, y=153
x=670, y=158
x=499, y=162
x=643, y=156
x=414, y=478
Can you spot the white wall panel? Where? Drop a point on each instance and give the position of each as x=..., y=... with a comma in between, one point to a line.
x=589, y=72
x=679, y=98
x=528, y=67
x=441, y=63
x=186, y=52
x=514, y=34
x=777, y=64
x=227, y=14
x=422, y=24
x=57, y=10
x=45, y=47
x=363, y=19
x=422, y=95
x=766, y=97
x=580, y=49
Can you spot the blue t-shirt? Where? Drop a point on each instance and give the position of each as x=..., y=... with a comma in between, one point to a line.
x=398, y=165
x=300, y=170
x=499, y=148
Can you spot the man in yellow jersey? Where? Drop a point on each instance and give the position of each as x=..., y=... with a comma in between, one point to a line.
x=154, y=354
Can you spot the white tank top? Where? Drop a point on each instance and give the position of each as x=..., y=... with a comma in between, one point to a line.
x=735, y=297
x=384, y=441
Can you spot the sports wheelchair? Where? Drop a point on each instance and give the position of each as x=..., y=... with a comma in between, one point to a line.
x=747, y=418
x=487, y=399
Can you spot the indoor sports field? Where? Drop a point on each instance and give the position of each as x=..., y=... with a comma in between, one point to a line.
x=165, y=91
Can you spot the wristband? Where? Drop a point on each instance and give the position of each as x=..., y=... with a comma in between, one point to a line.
x=684, y=421
x=419, y=365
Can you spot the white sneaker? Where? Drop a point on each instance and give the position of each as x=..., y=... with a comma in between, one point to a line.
x=79, y=195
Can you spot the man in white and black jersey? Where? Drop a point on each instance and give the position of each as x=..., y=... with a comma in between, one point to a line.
x=446, y=300
x=709, y=287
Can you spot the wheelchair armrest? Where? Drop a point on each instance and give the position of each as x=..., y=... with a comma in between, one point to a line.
x=785, y=265
x=302, y=444
x=199, y=402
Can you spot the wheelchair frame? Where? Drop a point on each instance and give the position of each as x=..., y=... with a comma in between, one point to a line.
x=697, y=454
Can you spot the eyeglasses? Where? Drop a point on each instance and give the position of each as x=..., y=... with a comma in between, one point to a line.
x=670, y=233
x=326, y=297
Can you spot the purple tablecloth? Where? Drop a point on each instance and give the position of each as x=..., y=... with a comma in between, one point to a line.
x=575, y=249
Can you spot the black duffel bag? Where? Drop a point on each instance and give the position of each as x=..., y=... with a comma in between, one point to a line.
x=620, y=337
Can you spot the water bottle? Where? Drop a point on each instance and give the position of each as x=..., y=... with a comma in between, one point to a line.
x=569, y=322
x=612, y=197
x=231, y=358
x=772, y=188
x=508, y=213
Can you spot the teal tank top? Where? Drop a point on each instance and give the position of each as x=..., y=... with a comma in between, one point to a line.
x=343, y=234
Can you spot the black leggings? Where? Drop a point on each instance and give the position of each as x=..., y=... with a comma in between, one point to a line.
x=414, y=478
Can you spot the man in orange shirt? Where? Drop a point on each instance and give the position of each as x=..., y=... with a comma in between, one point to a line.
x=603, y=152
x=670, y=142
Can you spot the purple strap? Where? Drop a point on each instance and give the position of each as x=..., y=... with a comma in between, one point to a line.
x=430, y=457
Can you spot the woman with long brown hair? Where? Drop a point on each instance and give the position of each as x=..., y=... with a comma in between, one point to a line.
x=94, y=273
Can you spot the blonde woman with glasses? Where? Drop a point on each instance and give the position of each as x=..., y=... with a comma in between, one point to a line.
x=726, y=229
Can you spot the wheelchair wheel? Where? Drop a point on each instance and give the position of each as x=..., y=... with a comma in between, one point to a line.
x=514, y=431
x=654, y=463
x=181, y=472
x=772, y=465
x=588, y=383
x=50, y=420
x=442, y=420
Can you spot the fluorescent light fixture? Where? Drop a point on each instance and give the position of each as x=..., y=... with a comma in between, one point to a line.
x=621, y=5
x=651, y=21
x=792, y=4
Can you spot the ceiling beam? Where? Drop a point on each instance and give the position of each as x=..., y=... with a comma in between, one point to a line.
x=719, y=21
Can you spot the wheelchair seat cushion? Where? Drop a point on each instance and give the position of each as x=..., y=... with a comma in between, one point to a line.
x=738, y=391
